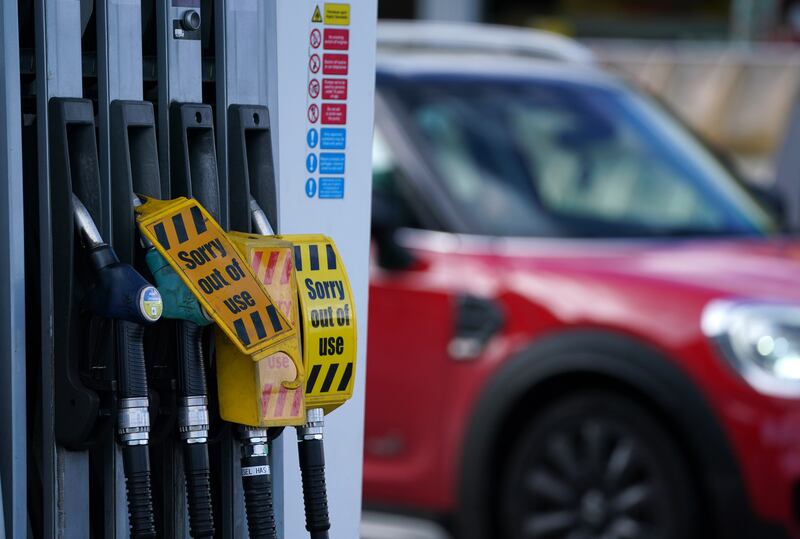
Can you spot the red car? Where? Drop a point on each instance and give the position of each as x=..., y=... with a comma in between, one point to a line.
x=582, y=325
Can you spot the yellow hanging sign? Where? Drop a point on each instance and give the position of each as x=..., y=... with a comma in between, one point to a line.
x=208, y=263
x=268, y=392
x=328, y=318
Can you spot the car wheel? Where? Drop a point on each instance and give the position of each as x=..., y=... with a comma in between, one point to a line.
x=596, y=465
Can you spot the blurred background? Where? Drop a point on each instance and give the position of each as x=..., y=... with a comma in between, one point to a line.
x=711, y=61
x=727, y=69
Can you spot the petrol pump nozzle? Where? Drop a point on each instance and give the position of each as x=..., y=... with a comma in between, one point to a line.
x=123, y=295
x=309, y=436
x=193, y=419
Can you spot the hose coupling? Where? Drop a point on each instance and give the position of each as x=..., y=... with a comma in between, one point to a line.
x=133, y=421
x=193, y=420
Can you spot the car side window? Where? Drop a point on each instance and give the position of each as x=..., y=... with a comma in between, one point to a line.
x=593, y=169
x=387, y=188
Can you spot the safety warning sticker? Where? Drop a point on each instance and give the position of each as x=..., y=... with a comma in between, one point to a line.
x=337, y=14
x=333, y=89
x=334, y=64
x=331, y=163
x=331, y=188
x=335, y=39
x=332, y=138
x=329, y=321
x=208, y=263
x=327, y=93
x=317, y=16
x=334, y=113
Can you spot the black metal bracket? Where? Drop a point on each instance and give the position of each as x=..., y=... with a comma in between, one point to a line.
x=193, y=156
x=251, y=167
x=83, y=357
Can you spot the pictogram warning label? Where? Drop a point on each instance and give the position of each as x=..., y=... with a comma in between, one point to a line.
x=314, y=63
x=334, y=113
x=313, y=88
x=208, y=263
x=329, y=323
x=334, y=89
x=312, y=138
x=337, y=14
x=311, y=188
x=313, y=113
x=317, y=16
x=314, y=39
x=334, y=64
x=336, y=39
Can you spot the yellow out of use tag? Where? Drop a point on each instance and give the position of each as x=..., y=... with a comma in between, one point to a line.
x=221, y=279
x=268, y=392
x=328, y=319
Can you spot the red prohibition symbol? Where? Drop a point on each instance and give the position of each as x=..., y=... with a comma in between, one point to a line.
x=313, y=88
x=313, y=113
x=315, y=38
x=314, y=63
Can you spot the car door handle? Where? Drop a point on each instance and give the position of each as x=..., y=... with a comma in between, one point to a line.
x=477, y=320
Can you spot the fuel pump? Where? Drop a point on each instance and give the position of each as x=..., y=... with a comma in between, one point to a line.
x=95, y=364
x=329, y=340
x=121, y=294
x=208, y=262
x=327, y=318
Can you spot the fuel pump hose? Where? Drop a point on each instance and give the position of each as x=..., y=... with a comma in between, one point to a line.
x=312, y=471
x=193, y=424
x=257, y=483
x=123, y=295
x=133, y=427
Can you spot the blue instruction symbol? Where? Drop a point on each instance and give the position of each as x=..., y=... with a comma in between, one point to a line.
x=312, y=138
x=311, y=188
x=311, y=162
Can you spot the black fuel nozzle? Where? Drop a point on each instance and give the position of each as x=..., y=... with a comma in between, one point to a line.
x=121, y=294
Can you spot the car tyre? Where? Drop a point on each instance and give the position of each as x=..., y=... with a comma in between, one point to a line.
x=596, y=465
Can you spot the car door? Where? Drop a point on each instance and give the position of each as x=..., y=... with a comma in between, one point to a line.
x=410, y=327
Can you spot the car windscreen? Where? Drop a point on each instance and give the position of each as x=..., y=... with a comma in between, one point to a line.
x=540, y=157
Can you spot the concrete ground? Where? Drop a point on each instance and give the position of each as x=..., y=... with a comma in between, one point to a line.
x=385, y=526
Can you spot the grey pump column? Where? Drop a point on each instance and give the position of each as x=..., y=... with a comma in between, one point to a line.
x=65, y=474
x=13, y=427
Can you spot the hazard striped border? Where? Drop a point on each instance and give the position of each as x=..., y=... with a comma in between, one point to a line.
x=314, y=256
x=329, y=380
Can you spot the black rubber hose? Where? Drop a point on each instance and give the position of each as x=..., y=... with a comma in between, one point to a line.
x=315, y=495
x=192, y=383
x=131, y=371
x=198, y=490
x=192, y=371
x=136, y=462
x=257, y=483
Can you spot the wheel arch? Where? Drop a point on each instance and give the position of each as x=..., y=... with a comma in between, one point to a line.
x=576, y=359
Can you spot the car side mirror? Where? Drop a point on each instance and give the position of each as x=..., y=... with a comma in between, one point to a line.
x=387, y=219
